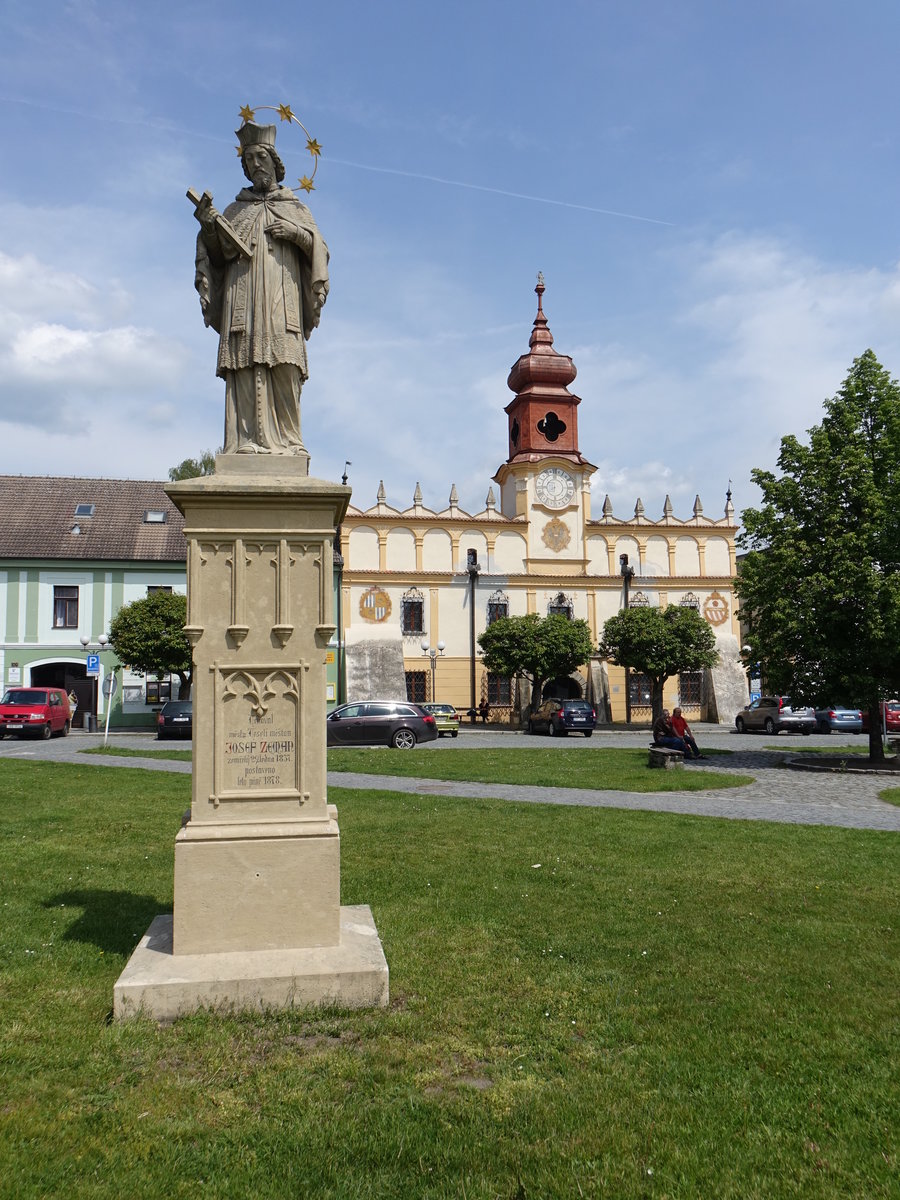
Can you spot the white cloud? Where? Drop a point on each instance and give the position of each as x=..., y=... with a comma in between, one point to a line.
x=60, y=358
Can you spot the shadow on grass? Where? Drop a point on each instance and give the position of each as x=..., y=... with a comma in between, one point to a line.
x=109, y=920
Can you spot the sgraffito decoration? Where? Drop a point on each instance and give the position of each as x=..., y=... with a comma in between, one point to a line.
x=715, y=608
x=375, y=605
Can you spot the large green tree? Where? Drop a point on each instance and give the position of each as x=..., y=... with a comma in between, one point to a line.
x=540, y=648
x=193, y=468
x=820, y=586
x=148, y=637
x=660, y=642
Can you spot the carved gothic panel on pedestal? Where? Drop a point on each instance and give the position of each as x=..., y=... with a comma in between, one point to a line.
x=259, y=734
x=262, y=580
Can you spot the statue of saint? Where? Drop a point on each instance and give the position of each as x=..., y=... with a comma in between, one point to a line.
x=262, y=275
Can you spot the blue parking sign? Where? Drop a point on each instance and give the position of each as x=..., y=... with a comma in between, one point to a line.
x=93, y=664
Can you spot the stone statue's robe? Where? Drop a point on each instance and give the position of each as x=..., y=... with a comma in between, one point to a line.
x=263, y=309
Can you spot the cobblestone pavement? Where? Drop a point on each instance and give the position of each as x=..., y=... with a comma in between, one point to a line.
x=775, y=794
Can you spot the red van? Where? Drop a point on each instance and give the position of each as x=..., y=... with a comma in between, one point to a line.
x=37, y=710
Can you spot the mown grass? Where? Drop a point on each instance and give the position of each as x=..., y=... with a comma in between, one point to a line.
x=585, y=1002
x=598, y=769
x=123, y=752
x=609, y=769
x=891, y=795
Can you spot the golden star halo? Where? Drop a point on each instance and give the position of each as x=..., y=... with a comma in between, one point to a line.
x=286, y=113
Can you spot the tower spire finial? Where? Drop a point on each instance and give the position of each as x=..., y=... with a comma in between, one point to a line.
x=540, y=289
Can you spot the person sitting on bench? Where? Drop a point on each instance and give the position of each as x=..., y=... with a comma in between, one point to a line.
x=665, y=735
x=681, y=729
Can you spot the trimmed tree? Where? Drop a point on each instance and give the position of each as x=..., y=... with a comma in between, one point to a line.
x=148, y=637
x=540, y=648
x=660, y=642
x=820, y=587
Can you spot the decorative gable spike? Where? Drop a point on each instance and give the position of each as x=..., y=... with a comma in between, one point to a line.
x=454, y=496
x=382, y=494
x=667, y=507
x=490, y=501
x=639, y=507
x=417, y=495
x=607, y=506
x=698, y=507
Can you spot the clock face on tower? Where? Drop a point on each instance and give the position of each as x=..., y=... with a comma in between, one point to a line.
x=555, y=487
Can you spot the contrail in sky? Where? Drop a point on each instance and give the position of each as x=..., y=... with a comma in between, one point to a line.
x=342, y=162
x=478, y=187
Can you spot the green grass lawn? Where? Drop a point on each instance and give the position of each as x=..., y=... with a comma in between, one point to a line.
x=585, y=1002
x=122, y=752
x=600, y=769
x=610, y=769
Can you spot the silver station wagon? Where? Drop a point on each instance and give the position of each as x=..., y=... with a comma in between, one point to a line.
x=772, y=714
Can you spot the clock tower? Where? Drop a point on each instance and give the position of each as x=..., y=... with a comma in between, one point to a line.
x=546, y=478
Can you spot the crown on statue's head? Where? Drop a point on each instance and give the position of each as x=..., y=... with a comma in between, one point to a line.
x=251, y=134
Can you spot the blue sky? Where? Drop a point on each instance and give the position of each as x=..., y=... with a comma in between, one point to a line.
x=710, y=189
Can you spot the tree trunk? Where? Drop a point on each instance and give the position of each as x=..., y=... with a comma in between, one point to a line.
x=536, y=689
x=876, y=745
x=656, y=697
x=184, y=685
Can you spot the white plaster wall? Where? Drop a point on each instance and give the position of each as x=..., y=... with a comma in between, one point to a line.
x=510, y=551
x=363, y=553
x=627, y=545
x=437, y=551
x=656, y=557
x=453, y=616
x=717, y=558
x=687, y=557
x=598, y=556
x=474, y=541
x=401, y=550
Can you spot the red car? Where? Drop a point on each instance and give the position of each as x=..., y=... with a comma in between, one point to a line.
x=41, y=711
x=890, y=718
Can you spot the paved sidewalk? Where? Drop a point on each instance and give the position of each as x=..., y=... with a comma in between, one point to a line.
x=775, y=794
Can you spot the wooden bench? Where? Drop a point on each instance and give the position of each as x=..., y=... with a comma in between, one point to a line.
x=662, y=756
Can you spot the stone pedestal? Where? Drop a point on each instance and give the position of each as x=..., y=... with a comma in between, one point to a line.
x=257, y=865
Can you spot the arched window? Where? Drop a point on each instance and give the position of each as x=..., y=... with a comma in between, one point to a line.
x=497, y=606
x=412, y=612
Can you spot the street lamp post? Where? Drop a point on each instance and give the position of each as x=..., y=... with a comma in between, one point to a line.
x=102, y=642
x=472, y=569
x=433, y=653
x=627, y=574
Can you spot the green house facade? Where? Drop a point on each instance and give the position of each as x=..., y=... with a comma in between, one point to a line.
x=72, y=553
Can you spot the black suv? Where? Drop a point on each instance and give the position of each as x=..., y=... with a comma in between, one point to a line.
x=175, y=719
x=559, y=717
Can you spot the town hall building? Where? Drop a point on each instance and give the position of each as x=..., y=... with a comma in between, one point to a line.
x=413, y=587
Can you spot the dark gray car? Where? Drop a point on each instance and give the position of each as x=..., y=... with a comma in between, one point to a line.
x=175, y=719
x=772, y=714
x=380, y=723
x=560, y=717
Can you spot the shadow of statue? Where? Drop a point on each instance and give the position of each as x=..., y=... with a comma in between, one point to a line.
x=113, y=921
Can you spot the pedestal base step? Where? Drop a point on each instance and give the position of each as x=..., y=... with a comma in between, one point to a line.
x=159, y=984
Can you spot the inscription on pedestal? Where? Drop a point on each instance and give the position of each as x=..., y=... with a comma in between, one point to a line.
x=258, y=728
x=259, y=752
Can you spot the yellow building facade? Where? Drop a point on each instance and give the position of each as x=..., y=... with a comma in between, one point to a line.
x=413, y=577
